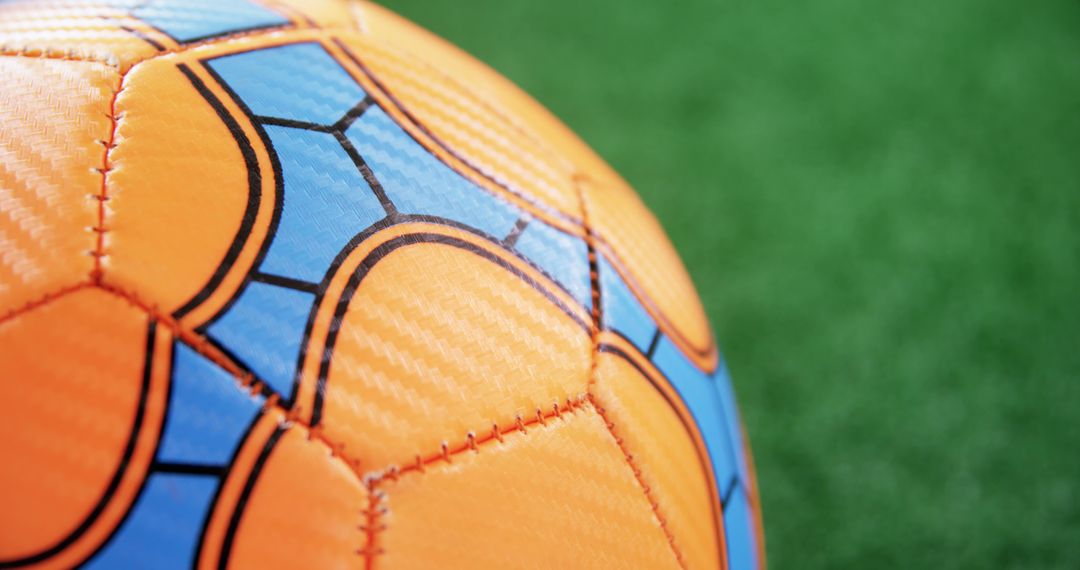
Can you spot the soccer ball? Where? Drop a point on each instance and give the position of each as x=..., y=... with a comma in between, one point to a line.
x=295, y=283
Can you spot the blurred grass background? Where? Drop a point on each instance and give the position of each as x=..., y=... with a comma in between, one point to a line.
x=880, y=205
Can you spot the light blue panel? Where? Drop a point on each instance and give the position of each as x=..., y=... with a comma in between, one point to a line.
x=699, y=394
x=296, y=81
x=419, y=183
x=732, y=417
x=208, y=412
x=740, y=533
x=264, y=328
x=189, y=20
x=162, y=530
x=621, y=309
x=326, y=203
x=562, y=256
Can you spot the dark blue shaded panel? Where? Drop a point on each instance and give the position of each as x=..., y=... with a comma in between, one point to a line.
x=699, y=394
x=208, y=412
x=264, y=329
x=740, y=533
x=621, y=309
x=417, y=182
x=300, y=82
x=190, y=20
x=562, y=256
x=162, y=530
x=326, y=202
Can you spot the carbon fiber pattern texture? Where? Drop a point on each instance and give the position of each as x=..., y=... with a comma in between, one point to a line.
x=427, y=301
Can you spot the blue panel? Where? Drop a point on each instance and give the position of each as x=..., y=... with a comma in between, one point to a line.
x=562, y=256
x=621, y=309
x=731, y=416
x=326, y=203
x=699, y=394
x=162, y=530
x=264, y=328
x=189, y=20
x=740, y=533
x=208, y=412
x=296, y=81
x=419, y=183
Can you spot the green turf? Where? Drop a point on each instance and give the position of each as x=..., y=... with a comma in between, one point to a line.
x=880, y=204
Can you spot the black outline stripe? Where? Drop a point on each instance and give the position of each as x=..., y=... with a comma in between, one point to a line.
x=732, y=484
x=367, y=173
x=144, y=37
x=286, y=282
x=706, y=461
x=515, y=232
x=118, y=476
x=245, y=494
x=652, y=343
x=146, y=478
x=176, y=468
x=254, y=176
x=369, y=262
x=279, y=196
x=291, y=123
x=224, y=479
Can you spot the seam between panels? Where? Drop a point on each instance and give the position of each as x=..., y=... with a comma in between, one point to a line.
x=43, y=300
x=108, y=144
x=473, y=442
x=55, y=54
x=246, y=381
x=597, y=320
x=372, y=515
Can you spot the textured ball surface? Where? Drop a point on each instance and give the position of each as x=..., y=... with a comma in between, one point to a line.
x=297, y=284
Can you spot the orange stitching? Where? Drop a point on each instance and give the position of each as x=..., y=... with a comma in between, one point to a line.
x=639, y=476
x=597, y=319
x=594, y=281
x=373, y=523
x=106, y=166
x=473, y=441
x=113, y=61
x=55, y=54
x=43, y=300
x=254, y=386
x=377, y=509
x=246, y=380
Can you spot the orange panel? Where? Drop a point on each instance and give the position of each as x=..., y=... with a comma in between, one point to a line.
x=178, y=187
x=72, y=375
x=306, y=509
x=560, y=495
x=439, y=341
x=75, y=29
x=52, y=115
x=666, y=454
